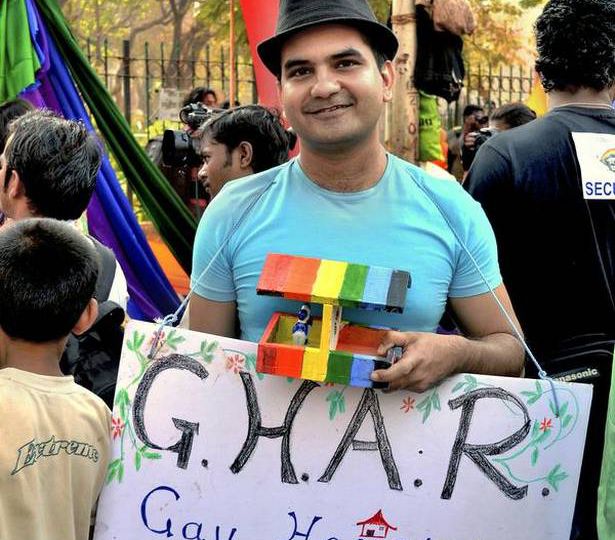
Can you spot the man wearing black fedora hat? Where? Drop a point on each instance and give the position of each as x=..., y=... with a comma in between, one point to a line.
x=346, y=198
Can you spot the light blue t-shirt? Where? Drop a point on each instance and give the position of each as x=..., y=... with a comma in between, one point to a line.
x=392, y=224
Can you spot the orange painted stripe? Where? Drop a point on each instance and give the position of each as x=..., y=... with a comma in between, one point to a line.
x=301, y=278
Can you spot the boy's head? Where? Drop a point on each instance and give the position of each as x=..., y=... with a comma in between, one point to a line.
x=201, y=94
x=511, y=115
x=242, y=141
x=10, y=110
x=575, y=40
x=48, y=273
x=48, y=168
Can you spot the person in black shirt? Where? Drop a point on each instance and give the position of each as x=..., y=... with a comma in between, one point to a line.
x=557, y=247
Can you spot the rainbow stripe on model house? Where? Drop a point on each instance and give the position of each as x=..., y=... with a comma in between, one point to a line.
x=336, y=351
x=333, y=282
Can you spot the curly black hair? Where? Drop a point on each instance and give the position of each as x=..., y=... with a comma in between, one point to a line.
x=575, y=40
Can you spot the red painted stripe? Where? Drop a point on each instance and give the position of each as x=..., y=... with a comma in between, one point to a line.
x=274, y=274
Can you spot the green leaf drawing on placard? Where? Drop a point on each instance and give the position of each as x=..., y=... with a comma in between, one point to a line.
x=535, y=453
x=566, y=420
x=138, y=460
x=469, y=382
x=113, y=470
x=429, y=403
x=251, y=364
x=435, y=400
x=556, y=476
x=123, y=402
x=207, y=351
x=173, y=340
x=337, y=403
x=135, y=343
x=425, y=407
x=458, y=387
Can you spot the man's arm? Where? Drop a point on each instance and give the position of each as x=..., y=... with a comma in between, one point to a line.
x=210, y=317
x=490, y=348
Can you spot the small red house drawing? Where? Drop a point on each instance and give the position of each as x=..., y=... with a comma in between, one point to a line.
x=375, y=527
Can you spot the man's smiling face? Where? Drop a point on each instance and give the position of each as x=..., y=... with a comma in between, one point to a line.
x=331, y=88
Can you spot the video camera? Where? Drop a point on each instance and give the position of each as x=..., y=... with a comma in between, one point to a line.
x=181, y=148
x=482, y=136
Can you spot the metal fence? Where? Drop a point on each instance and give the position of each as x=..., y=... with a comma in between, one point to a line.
x=136, y=78
x=489, y=87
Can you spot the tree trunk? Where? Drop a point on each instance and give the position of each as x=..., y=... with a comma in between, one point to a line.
x=403, y=116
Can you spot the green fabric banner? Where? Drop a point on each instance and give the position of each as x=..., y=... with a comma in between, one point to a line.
x=18, y=60
x=606, y=491
x=176, y=224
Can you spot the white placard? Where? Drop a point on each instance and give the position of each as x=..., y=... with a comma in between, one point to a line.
x=169, y=103
x=204, y=447
x=596, y=155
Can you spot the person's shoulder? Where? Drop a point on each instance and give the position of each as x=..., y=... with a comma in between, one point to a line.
x=530, y=137
x=244, y=188
x=443, y=193
x=96, y=406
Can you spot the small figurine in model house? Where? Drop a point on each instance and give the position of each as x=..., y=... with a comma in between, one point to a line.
x=301, y=328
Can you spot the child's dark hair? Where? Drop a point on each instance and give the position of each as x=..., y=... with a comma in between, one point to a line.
x=513, y=114
x=259, y=126
x=575, y=40
x=8, y=112
x=57, y=161
x=198, y=94
x=48, y=273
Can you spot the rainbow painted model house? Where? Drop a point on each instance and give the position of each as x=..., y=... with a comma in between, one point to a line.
x=336, y=351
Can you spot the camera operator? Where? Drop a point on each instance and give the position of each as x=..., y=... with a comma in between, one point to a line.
x=474, y=118
x=176, y=154
x=503, y=118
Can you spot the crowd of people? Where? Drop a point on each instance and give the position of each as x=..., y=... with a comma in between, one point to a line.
x=514, y=252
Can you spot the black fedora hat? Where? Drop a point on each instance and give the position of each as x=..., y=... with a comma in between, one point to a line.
x=297, y=15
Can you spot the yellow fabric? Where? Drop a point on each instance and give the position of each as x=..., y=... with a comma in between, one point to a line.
x=537, y=100
x=53, y=457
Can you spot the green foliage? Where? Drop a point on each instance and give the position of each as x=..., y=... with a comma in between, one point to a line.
x=429, y=403
x=337, y=403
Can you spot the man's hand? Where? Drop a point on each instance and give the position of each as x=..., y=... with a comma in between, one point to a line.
x=426, y=360
x=490, y=348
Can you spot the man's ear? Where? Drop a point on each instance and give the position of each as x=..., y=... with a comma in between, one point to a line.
x=246, y=153
x=388, y=79
x=15, y=188
x=87, y=318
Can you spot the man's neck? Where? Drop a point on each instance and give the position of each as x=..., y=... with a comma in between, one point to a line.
x=40, y=358
x=583, y=97
x=347, y=171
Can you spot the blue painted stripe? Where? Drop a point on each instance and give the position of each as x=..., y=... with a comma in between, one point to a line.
x=362, y=367
x=377, y=285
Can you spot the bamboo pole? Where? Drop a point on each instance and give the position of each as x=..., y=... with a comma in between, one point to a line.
x=232, y=78
x=404, y=108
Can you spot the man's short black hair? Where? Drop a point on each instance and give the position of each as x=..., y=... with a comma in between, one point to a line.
x=575, y=40
x=513, y=114
x=57, y=161
x=471, y=109
x=48, y=273
x=198, y=94
x=259, y=126
x=10, y=110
